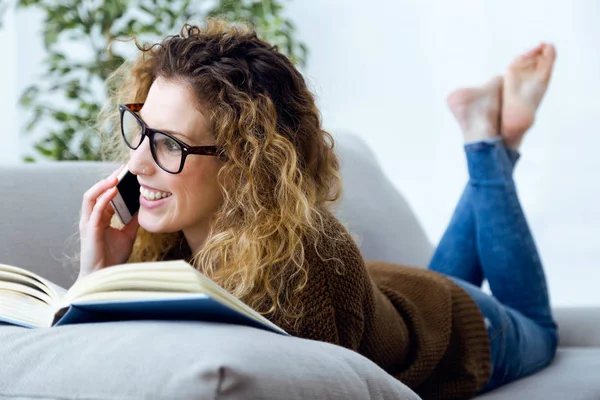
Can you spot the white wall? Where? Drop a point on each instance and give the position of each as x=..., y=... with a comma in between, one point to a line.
x=382, y=69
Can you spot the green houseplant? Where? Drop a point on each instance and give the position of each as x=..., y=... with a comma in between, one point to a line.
x=68, y=123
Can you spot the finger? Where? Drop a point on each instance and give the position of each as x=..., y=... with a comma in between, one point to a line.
x=100, y=206
x=131, y=228
x=116, y=172
x=107, y=215
x=89, y=197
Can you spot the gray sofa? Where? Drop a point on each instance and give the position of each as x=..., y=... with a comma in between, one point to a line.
x=171, y=360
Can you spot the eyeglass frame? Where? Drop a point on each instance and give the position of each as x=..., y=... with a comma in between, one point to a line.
x=186, y=149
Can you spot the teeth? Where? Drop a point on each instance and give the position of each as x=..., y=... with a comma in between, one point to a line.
x=153, y=195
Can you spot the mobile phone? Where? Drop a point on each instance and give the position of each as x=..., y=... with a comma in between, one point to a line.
x=127, y=200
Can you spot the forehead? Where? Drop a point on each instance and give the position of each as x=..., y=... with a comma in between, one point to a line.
x=172, y=106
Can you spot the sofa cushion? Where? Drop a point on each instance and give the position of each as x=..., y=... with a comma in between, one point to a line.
x=578, y=326
x=41, y=204
x=183, y=360
x=573, y=375
x=379, y=217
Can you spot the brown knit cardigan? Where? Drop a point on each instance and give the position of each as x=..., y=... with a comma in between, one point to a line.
x=416, y=324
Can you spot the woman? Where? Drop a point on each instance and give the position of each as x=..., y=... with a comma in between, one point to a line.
x=250, y=209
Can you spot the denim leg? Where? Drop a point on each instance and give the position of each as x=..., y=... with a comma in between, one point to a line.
x=456, y=254
x=507, y=250
x=519, y=345
x=522, y=330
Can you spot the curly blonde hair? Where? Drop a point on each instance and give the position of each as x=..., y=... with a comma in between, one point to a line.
x=281, y=173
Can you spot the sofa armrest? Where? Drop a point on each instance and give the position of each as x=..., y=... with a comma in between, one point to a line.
x=578, y=326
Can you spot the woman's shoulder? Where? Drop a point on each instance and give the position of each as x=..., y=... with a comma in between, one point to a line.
x=332, y=250
x=334, y=236
x=337, y=272
x=334, y=285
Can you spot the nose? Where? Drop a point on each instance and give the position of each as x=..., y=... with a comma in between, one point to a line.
x=140, y=159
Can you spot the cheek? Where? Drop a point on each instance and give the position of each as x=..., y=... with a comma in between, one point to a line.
x=200, y=190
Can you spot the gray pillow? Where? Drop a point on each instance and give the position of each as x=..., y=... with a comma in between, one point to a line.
x=376, y=213
x=183, y=360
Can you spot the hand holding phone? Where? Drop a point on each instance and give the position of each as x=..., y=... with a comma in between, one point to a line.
x=101, y=244
x=127, y=200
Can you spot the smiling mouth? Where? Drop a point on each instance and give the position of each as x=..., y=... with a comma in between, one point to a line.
x=153, y=194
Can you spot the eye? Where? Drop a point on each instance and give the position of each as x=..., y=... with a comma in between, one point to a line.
x=166, y=144
x=172, y=145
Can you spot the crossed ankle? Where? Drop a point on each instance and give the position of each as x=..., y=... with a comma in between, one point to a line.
x=492, y=140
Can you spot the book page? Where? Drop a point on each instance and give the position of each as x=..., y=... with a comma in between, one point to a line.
x=24, y=310
x=13, y=274
x=11, y=286
x=132, y=295
x=60, y=291
x=171, y=278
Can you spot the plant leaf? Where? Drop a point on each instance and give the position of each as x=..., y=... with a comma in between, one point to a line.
x=95, y=24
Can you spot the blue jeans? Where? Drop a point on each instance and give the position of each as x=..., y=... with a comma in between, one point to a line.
x=488, y=238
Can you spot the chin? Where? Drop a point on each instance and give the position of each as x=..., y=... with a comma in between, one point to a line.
x=153, y=224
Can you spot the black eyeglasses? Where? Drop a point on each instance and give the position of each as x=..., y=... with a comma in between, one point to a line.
x=168, y=152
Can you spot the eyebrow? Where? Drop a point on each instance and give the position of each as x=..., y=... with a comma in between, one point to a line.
x=170, y=132
x=176, y=134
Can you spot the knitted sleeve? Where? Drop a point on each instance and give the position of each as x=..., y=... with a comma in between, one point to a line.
x=336, y=290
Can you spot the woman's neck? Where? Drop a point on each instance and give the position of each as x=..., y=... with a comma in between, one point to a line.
x=196, y=236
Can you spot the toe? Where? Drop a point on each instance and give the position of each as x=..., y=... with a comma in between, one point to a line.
x=549, y=53
x=534, y=52
x=527, y=59
x=546, y=61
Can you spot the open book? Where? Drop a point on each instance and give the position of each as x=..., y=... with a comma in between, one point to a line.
x=151, y=290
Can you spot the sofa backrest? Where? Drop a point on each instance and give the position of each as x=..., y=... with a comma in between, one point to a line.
x=41, y=204
x=40, y=215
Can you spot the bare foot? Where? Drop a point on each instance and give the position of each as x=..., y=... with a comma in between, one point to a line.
x=477, y=110
x=525, y=84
